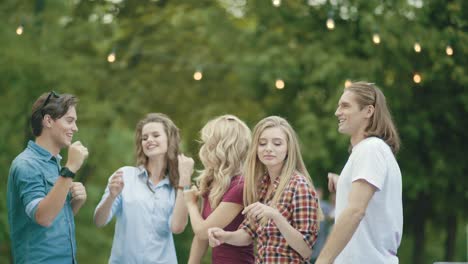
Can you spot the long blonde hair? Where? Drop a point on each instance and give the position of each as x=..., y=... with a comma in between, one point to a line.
x=225, y=140
x=173, y=141
x=255, y=170
x=381, y=123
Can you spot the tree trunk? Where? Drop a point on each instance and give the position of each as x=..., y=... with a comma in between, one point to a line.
x=451, y=229
x=420, y=215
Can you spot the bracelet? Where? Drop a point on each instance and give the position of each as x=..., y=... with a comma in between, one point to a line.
x=183, y=188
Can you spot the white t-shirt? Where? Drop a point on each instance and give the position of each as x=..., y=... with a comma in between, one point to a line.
x=378, y=236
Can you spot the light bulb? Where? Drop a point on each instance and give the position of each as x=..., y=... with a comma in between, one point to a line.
x=376, y=39
x=197, y=75
x=449, y=50
x=417, y=78
x=111, y=57
x=347, y=83
x=279, y=84
x=417, y=47
x=276, y=2
x=330, y=24
x=19, y=30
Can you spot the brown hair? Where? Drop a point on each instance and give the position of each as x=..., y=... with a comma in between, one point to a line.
x=381, y=123
x=173, y=141
x=51, y=104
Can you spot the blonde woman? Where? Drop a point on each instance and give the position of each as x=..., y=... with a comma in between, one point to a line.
x=147, y=200
x=225, y=141
x=281, y=204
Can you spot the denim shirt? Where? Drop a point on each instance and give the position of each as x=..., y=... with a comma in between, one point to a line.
x=32, y=175
x=143, y=228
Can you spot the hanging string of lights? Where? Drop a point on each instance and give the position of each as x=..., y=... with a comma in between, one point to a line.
x=279, y=82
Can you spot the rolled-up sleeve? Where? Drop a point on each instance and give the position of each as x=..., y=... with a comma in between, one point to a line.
x=30, y=187
x=305, y=213
x=247, y=227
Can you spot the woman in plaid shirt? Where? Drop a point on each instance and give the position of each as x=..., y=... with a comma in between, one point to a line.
x=281, y=205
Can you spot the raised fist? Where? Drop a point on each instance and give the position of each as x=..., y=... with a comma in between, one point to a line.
x=185, y=169
x=116, y=184
x=77, y=153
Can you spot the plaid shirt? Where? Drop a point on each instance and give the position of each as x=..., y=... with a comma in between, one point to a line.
x=298, y=204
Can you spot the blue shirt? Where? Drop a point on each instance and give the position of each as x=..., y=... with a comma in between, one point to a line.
x=142, y=231
x=32, y=175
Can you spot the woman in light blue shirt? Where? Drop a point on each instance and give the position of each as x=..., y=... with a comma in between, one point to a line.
x=147, y=200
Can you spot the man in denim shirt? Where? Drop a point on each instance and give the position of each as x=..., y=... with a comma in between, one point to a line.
x=42, y=197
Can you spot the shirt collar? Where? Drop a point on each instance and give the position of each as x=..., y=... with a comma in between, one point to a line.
x=41, y=152
x=144, y=174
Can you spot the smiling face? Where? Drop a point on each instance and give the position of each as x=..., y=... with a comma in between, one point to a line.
x=351, y=119
x=272, y=148
x=154, y=139
x=62, y=129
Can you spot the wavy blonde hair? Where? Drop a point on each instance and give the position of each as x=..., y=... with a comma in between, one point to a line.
x=225, y=142
x=255, y=170
x=381, y=123
x=173, y=141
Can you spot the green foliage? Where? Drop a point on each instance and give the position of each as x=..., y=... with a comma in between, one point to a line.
x=242, y=50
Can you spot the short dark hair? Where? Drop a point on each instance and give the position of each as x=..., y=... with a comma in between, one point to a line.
x=51, y=104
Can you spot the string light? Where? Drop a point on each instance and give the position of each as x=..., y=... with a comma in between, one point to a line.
x=417, y=78
x=198, y=75
x=279, y=84
x=376, y=38
x=19, y=30
x=449, y=50
x=347, y=83
x=276, y=3
x=330, y=23
x=111, y=57
x=417, y=47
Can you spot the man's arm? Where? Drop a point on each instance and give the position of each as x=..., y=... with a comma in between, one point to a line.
x=348, y=221
x=49, y=207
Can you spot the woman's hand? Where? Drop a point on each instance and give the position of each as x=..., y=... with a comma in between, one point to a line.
x=216, y=236
x=257, y=211
x=191, y=196
x=116, y=184
x=185, y=169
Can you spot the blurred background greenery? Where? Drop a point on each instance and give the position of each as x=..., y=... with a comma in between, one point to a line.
x=127, y=58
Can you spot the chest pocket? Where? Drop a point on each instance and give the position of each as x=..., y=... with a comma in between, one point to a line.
x=49, y=178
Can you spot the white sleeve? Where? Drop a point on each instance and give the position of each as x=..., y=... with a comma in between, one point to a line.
x=116, y=205
x=369, y=164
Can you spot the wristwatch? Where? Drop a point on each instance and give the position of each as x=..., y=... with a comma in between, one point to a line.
x=67, y=173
